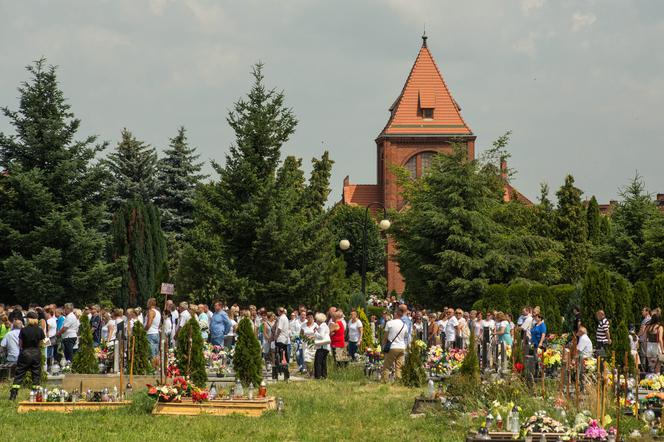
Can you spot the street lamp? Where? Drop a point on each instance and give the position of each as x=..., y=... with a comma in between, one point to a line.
x=383, y=225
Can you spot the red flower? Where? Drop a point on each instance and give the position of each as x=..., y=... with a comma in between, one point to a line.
x=518, y=367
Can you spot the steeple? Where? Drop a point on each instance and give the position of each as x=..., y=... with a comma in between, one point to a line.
x=425, y=105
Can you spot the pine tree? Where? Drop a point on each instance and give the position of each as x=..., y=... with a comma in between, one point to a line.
x=179, y=174
x=622, y=295
x=367, y=338
x=413, y=374
x=247, y=360
x=85, y=361
x=593, y=221
x=572, y=231
x=261, y=233
x=189, y=353
x=544, y=213
x=620, y=344
x=51, y=201
x=133, y=167
x=142, y=361
x=139, y=247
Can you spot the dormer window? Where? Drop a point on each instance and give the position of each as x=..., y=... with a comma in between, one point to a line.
x=427, y=113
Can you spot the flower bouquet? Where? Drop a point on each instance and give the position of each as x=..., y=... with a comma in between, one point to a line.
x=541, y=423
x=56, y=395
x=653, y=382
x=551, y=357
x=165, y=393
x=199, y=395
x=595, y=431
x=434, y=360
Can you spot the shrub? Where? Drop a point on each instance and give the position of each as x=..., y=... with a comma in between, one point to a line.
x=247, y=360
x=189, y=353
x=470, y=367
x=85, y=360
x=413, y=374
x=373, y=310
x=141, y=362
x=367, y=338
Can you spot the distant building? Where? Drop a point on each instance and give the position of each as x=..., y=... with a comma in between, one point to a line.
x=424, y=120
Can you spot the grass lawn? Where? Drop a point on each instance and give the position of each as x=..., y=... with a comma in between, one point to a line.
x=345, y=407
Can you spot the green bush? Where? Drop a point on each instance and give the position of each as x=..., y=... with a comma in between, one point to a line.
x=142, y=357
x=496, y=298
x=367, y=338
x=413, y=374
x=141, y=403
x=519, y=295
x=190, y=345
x=85, y=361
x=247, y=360
x=470, y=367
x=640, y=299
x=375, y=311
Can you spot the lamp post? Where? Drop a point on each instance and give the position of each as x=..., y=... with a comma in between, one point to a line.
x=383, y=225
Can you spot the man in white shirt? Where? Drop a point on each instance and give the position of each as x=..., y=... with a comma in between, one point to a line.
x=10, y=343
x=585, y=345
x=395, y=335
x=69, y=332
x=184, y=315
x=282, y=339
x=451, y=328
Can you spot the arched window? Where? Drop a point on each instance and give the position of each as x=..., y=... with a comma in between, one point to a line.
x=418, y=164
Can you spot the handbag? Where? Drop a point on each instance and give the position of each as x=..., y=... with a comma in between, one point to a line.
x=388, y=345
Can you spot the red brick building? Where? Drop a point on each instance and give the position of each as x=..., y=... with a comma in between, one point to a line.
x=424, y=120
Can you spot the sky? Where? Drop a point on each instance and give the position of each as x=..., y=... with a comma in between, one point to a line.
x=578, y=82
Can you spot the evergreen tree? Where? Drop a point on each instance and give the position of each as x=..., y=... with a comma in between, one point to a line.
x=640, y=299
x=261, y=232
x=496, y=297
x=620, y=344
x=133, y=167
x=625, y=251
x=519, y=296
x=139, y=248
x=470, y=367
x=247, y=360
x=571, y=231
x=544, y=213
x=85, y=361
x=653, y=245
x=51, y=201
x=593, y=221
x=596, y=295
x=413, y=374
x=189, y=353
x=179, y=174
x=367, y=337
x=142, y=361
x=622, y=295
x=657, y=291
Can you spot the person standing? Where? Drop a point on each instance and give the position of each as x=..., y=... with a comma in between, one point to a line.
x=337, y=336
x=96, y=325
x=354, y=334
x=204, y=321
x=69, y=332
x=603, y=335
x=451, y=328
x=10, y=342
x=29, y=358
x=220, y=325
x=322, y=343
x=395, y=335
x=295, y=343
x=405, y=317
x=152, y=323
x=52, y=328
x=654, y=344
x=584, y=346
x=282, y=340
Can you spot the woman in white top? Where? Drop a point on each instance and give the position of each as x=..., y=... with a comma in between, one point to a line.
x=354, y=334
x=307, y=333
x=152, y=324
x=322, y=343
x=204, y=322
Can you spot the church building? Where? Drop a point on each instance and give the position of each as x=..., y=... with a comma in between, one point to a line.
x=424, y=120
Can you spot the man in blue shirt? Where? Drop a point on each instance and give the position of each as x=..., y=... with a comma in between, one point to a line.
x=220, y=324
x=406, y=320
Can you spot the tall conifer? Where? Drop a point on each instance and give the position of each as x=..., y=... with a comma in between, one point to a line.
x=571, y=230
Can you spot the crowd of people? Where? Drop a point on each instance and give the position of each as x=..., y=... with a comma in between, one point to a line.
x=304, y=335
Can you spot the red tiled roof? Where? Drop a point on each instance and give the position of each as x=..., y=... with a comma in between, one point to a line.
x=361, y=194
x=425, y=88
x=511, y=192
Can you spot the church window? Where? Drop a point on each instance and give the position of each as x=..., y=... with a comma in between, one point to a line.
x=427, y=113
x=418, y=164
x=411, y=166
x=425, y=159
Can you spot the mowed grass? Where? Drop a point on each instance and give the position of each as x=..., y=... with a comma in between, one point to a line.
x=344, y=407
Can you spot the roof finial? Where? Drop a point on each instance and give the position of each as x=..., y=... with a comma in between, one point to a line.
x=424, y=36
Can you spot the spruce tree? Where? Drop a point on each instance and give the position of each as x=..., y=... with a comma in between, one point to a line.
x=139, y=249
x=51, y=200
x=189, y=353
x=247, y=360
x=133, y=167
x=620, y=344
x=571, y=231
x=142, y=356
x=544, y=213
x=596, y=295
x=179, y=174
x=84, y=361
x=593, y=221
x=622, y=296
x=413, y=374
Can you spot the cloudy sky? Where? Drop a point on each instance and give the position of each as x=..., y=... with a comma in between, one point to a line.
x=579, y=82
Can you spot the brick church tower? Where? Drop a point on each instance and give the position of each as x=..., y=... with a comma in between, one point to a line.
x=424, y=120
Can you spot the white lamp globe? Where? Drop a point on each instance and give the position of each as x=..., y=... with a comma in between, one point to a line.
x=344, y=244
x=384, y=224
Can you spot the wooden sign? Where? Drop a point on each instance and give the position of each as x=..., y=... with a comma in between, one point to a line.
x=167, y=289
